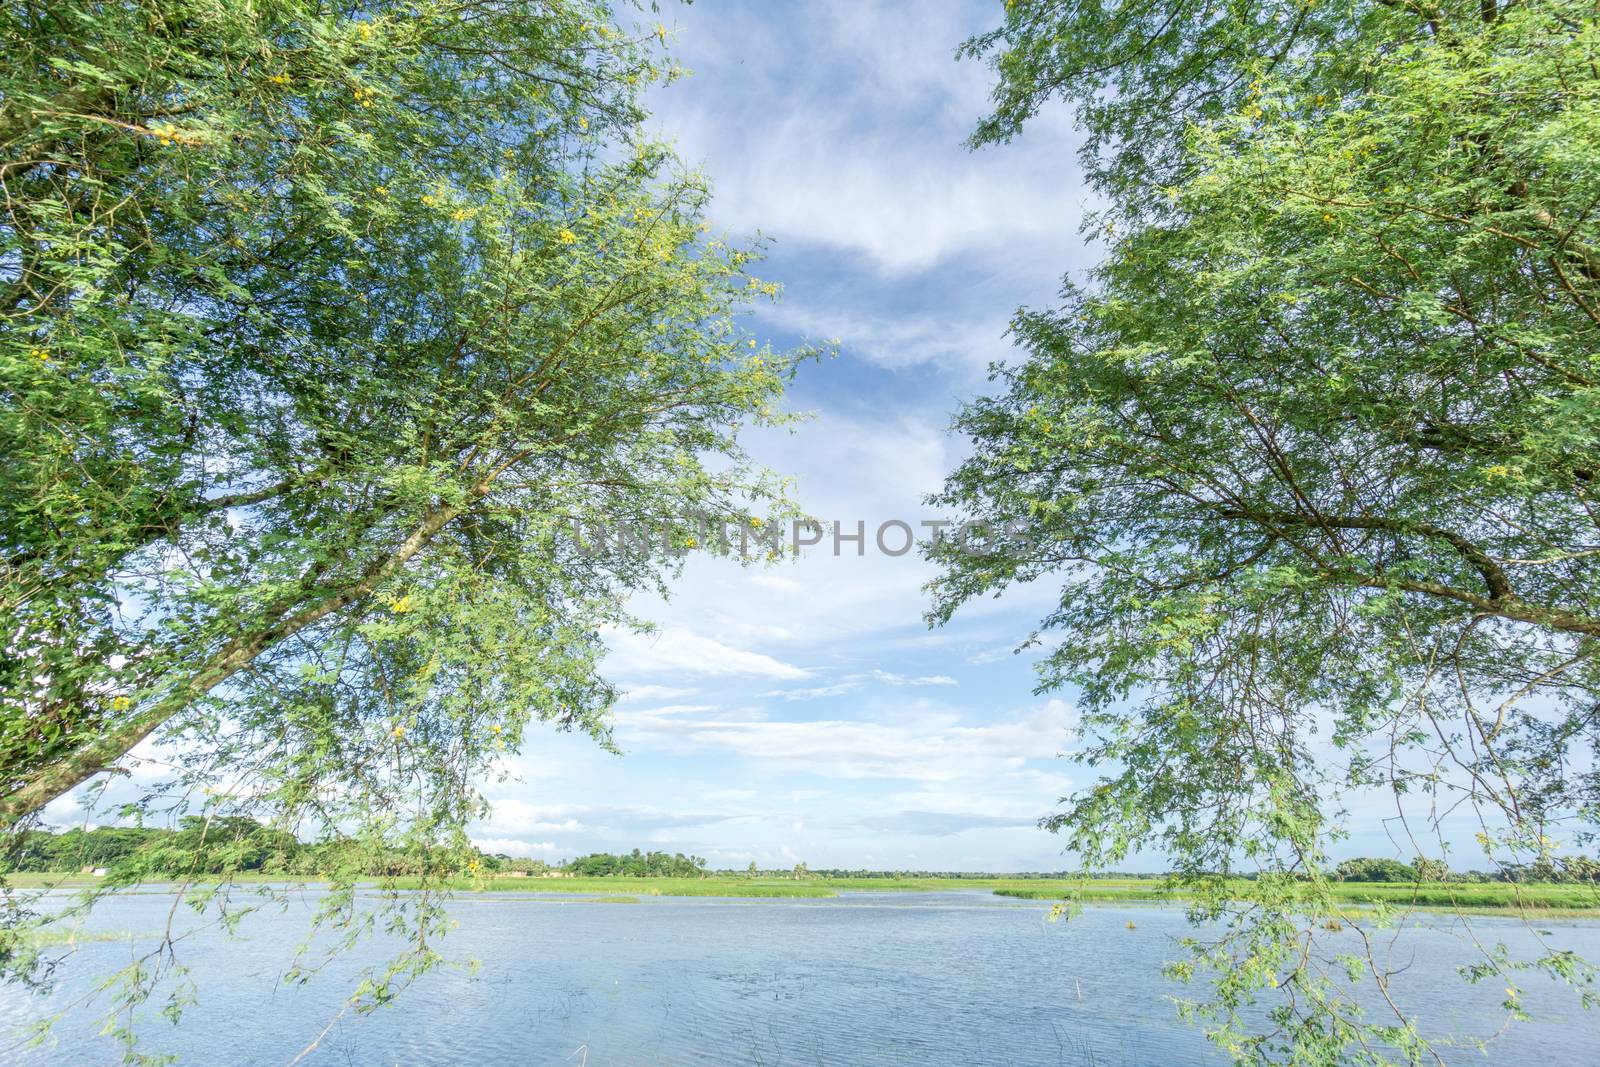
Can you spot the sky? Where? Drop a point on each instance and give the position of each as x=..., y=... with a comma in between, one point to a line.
x=805, y=712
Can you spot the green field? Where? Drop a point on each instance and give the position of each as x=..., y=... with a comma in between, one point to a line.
x=1468, y=896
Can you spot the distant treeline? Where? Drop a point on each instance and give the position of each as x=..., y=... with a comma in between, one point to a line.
x=194, y=847
x=1565, y=869
x=201, y=846
x=234, y=844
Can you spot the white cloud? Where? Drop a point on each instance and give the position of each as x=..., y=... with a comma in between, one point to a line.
x=678, y=650
x=512, y=846
x=889, y=678
x=860, y=148
x=651, y=692
x=924, y=747
x=815, y=693
x=513, y=817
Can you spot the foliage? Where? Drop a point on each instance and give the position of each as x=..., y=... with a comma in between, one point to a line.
x=637, y=864
x=1311, y=451
x=318, y=323
x=1365, y=869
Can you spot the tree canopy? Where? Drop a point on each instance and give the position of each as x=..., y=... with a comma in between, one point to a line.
x=319, y=323
x=1311, y=449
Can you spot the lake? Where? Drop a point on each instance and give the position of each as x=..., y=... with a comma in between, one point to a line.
x=866, y=978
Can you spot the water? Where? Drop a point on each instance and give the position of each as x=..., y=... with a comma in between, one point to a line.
x=868, y=978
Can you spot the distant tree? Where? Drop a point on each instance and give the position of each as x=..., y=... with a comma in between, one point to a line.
x=637, y=864
x=752, y=872
x=1579, y=868
x=1374, y=870
x=1430, y=870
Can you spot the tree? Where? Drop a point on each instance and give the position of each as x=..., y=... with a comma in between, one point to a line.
x=752, y=872
x=319, y=325
x=1365, y=869
x=1311, y=449
x=1430, y=870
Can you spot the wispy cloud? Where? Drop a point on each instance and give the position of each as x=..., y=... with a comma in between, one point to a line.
x=635, y=693
x=890, y=678
x=682, y=652
x=515, y=846
x=935, y=747
x=816, y=692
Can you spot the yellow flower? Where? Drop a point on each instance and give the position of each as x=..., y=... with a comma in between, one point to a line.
x=401, y=606
x=365, y=29
x=751, y=342
x=689, y=543
x=39, y=354
x=566, y=237
x=281, y=78
x=495, y=728
x=121, y=703
x=399, y=732
x=757, y=522
x=429, y=201
x=382, y=190
x=461, y=215
x=583, y=123
x=661, y=32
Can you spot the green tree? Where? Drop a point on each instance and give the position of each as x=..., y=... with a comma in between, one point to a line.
x=1365, y=869
x=319, y=324
x=1430, y=870
x=1311, y=450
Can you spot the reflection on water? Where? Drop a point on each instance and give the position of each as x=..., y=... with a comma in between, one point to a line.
x=868, y=978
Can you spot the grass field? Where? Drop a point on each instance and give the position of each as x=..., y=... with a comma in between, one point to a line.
x=1470, y=896
x=1476, y=897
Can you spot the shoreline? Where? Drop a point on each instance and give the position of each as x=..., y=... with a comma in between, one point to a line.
x=1537, y=901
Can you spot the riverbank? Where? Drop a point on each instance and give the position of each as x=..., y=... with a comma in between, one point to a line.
x=1493, y=897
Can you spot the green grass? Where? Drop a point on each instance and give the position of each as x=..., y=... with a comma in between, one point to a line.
x=1525, y=900
x=1467, y=896
x=50, y=937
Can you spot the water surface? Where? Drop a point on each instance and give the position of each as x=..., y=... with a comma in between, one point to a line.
x=868, y=978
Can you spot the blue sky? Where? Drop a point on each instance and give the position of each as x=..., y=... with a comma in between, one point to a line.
x=805, y=711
